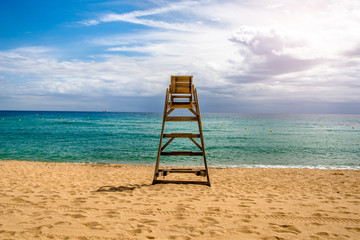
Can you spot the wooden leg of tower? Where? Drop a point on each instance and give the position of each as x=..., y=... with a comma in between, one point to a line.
x=201, y=136
x=161, y=138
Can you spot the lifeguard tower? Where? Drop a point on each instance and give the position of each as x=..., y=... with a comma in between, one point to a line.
x=181, y=94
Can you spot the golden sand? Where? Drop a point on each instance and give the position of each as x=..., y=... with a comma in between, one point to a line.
x=90, y=201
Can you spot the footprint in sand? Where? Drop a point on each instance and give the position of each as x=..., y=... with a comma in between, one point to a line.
x=208, y=220
x=148, y=221
x=243, y=206
x=42, y=218
x=356, y=229
x=63, y=223
x=75, y=215
x=39, y=229
x=14, y=211
x=317, y=224
x=20, y=199
x=248, y=229
x=79, y=200
x=284, y=228
x=134, y=232
x=323, y=234
x=94, y=225
x=172, y=237
x=7, y=233
x=112, y=214
x=273, y=238
x=64, y=206
x=214, y=209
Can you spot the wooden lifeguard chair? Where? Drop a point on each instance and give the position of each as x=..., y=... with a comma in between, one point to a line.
x=181, y=94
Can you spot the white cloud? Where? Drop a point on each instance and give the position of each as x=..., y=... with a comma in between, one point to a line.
x=137, y=17
x=90, y=22
x=244, y=52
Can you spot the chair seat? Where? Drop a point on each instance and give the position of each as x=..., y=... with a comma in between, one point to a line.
x=182, y=105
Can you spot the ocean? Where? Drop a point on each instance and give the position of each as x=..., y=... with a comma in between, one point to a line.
x=231, y=140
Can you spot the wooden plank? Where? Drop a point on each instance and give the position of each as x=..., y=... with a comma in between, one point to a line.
x=198, y=145
x=181, y=135
x=182, y=90
x=168, y=112
x=182, y=85
x=181, y=119
x=181, y=96
x=172, y=85
x=182, y=105
x=181, y=182
x=161, y=136
x=182, y=170
x=191, y=110
x=179, y=103
x=181, y=153
x=181, y=78
x=168, y=142
x=201, y=134
x=178, y=170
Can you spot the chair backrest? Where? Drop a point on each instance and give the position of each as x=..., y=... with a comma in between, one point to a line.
x=181, y=85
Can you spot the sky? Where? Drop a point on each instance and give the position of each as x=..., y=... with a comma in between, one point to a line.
x=246, y=56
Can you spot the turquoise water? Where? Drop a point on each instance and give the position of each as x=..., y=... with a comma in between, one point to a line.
x=248, y=140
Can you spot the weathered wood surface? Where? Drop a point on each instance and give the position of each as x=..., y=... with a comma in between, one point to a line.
x=182, y=105
x=181, y=119
x=181, y=135
x=182, y=182
x=181, y=170
x=168, y=112
x=162, y=132
x=168, y=142
x=195, y=113
x=181, y=96
x=201, y=134
x=181, y=153
x=195, y=142
x=181, y=84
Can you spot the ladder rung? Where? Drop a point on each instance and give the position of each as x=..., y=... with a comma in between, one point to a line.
x=181, y=182
x=181, y=135
x=181, y=170
x=197, y=172
x=180, y=103
x=181, y=153
x=181, y=119
x=180, y=96
x=183, y=105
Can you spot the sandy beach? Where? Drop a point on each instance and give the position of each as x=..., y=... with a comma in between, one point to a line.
x=95, y=201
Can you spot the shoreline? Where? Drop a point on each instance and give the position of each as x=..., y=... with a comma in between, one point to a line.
x=46, y=200
x=319, y=167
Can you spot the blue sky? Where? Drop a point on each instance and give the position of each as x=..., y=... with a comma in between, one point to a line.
x=246, y=56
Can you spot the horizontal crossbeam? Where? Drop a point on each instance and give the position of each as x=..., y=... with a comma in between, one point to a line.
x=181, y=135
x=181, y=182
x=181, y=153
x=181, y=119
x=198, y=172
x=183, y=105
x=181, y=96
